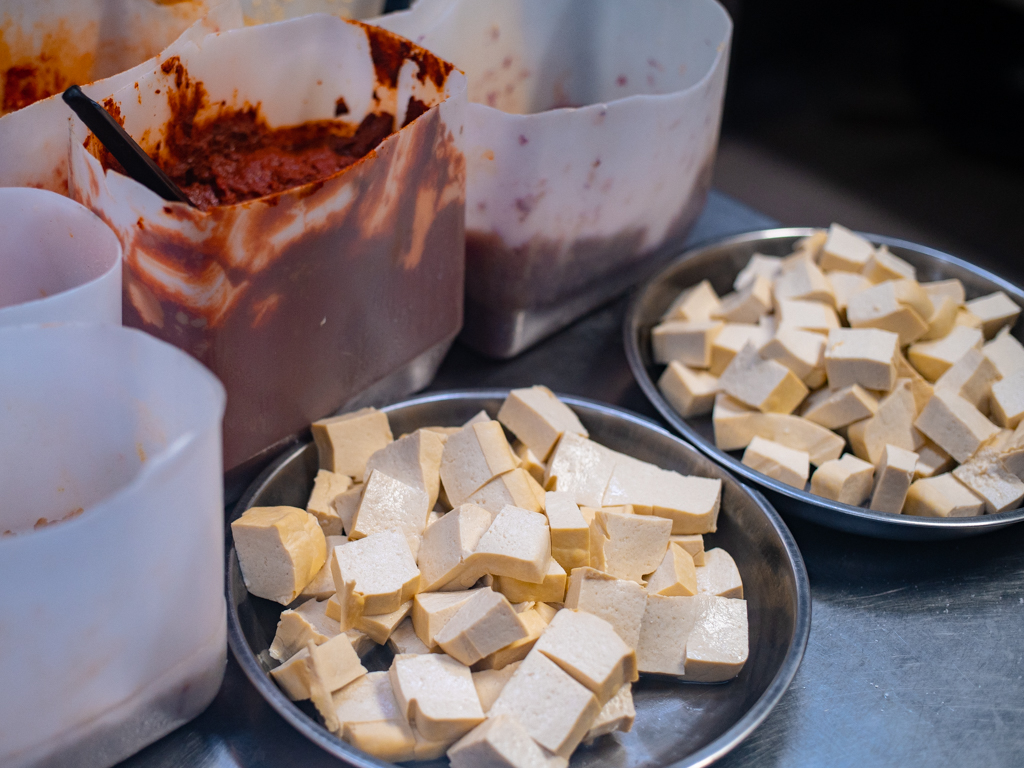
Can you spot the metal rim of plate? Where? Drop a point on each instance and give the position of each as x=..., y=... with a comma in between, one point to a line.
x=705, y=756
x=719, y=258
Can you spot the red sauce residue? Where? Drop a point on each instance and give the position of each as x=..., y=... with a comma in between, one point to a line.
x=24, y=85
x=389, y=51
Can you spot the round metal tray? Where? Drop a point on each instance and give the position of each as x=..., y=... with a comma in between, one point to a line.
x=720, y=262
x=676, y=725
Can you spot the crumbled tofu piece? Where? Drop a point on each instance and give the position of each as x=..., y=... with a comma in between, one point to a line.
x=414, y=459
x=942, y=319
x=696, y=303
x=530, y=461
x=719, y=575
x=404, y=639
x=346, y=504
x=718, y=644
x=784, y=464
x=326, y=487
x=677, y=574
x=473, y=457
x=971, y=377
x=884, y=265
x=515, y=488
x=954, y=424
x=802, y=281
x=620, y=602
x=894, y=476
x=374, y=575
x=432, y=610
x=766, y=385
x=732, y=339
x=588, y=648
x=941, y=496
x=617, y=715
x=550, y=590
x=846, y=480
x=692, y=543
x=951, y=288
x=1007, y=400
x=482, y=625
x=985, y=474
x=322, y=585
x=892, y=424
x=995, y=311
x=628, y=546
x=296, y=628
x=759, y=265
x=534, y=622
x=380, y=626
x=554, y=709
x=1005, y=353
x=489, y=682
x=538, y=418
x=746, y=305
x=570, y=533
x=389, y=504
x=502, y=742
x=437, y=694
x=934, y=358
x=931, y=461
x=448, y=543
x=690, y=392
x=864, y=356
x=803, y=352
x=845, y=250
x=344, y=443
x=691, y=503
x=581, y=467
x=835, y=408
x=517, y=544
x=813, y=316
x=280, y=550
x=666, y=624
x=686, y=341
x=879, y=307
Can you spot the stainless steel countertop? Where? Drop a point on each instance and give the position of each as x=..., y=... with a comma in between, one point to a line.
x=916, y=652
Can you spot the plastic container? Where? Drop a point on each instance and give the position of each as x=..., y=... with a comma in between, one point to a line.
x=111, y=543
x=58, y=261
x=590, y=142
x=313, y=298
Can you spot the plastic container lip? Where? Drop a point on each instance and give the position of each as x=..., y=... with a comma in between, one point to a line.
x=77, y=215
x=156, y=465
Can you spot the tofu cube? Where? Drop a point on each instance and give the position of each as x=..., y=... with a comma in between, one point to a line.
x=448, y=543
x=666, y=624
x=482, y=625
x=414, y=460
x=802, y=280
x=985, y=474
x=380, y=626
x=934, y=358
x=629, y=546
x=884, y=265
x=812, y=316
x=995, y=310
x=335, y=662
x=530, y=461
x=692, y=543
x=327, y=486
x=554, y=709
x=588, y=648
x=297, y=628
x=570, y=533
x=620, y=602
x=766, y=385
x=845, y=250
x=685, y=341
x=516, y=544
x=747, y=304
x=432, y=610
x=501, y=742
x=942, y=496
x=954, y=424
x=581, y=467
x=346, y=504
x=1007, y=400
x=759, y=265
x=550, y=590
x=534, y=622
x=389, y=504
x=436, y=693
x=677, y=574
x=942, y=319
x=1005, y=353
x=322, y=585
x=846, y=480
x=617, y=715
x=892, y=424
x=863, y=356
x=292, y=676
x=718, y=644
x=879, y=307
x=719, y=575
x=971, y=377
x=968, y=319
x=931, y=461
x=374, y=575
x=489, y=682
x=939, y=289
x=784, y=464
x=835, y=408
x=472, y=457
x=515, y=488
x=844, y=285
x=803, y=352
x=538, y=418
x=696, y=303
x=733, y=337
x=690, y=392
x=691, y=503
x=345, y=443
x=894, y=476
x=370, y=718
x=404, y=639
x=280, y=550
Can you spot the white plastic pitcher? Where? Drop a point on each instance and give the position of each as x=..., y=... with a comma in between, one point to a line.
x=58, y=261
x=112, y=613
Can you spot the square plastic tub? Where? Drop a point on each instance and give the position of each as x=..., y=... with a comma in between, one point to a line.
x=591, y=135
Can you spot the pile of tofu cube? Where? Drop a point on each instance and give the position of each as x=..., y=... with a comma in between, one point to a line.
x=522, y=586
x=838, y=343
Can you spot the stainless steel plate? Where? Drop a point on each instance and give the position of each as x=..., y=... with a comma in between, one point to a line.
x=676, y=725
x=720, y=263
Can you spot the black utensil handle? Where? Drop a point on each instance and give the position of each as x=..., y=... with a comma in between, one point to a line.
x=136, y=163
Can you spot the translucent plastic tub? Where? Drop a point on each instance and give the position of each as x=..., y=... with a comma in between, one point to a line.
x=590, y=139
x=58, y=261
x=111, y=543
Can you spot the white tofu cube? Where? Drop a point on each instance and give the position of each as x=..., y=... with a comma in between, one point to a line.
x=404, y=639
x=884, y=265
x=472, y=457
x=784, y=464
x=691, y=503
x=617, y=715
x=581, y=467
x=719, y=575
x=845, y=250
x=879, y=307
x=620, y=602
x=934, y=358
x=802, y=280
x=995, y=310
x=766, y=385
x=942, y=496
x=482, y=625
x=297, y=628
x=954, y=424
x=803, y=352
x=414, y=460
x=985, y=474
x=280, y=550
x=327, y=486
x=893, y=479
x=538, y=418
x=732, y=339
x=1007, y=400
x=345, y=443
x=380, y=626
x=696, y=303
x=502, y=742
x=892, y=424
x=759, y=265
x=448, y=543
x=971, y=377
x=747, y=304
x=864, y=356
x=389, y=504
x=432, y=610
x=813, y=316
x=677, y=574
x=628, y=546
x=846, y=480
x=437, y=694
x=685, y=341
x=570, y=533
x=689, y=391
x=374, y=575
x=1005, y=353
x=835, y=408
x=489, y=682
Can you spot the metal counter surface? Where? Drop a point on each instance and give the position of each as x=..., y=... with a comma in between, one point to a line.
x=916, y=652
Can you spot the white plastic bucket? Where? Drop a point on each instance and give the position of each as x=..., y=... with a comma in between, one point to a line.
x=58, y=261
x=112, y=614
